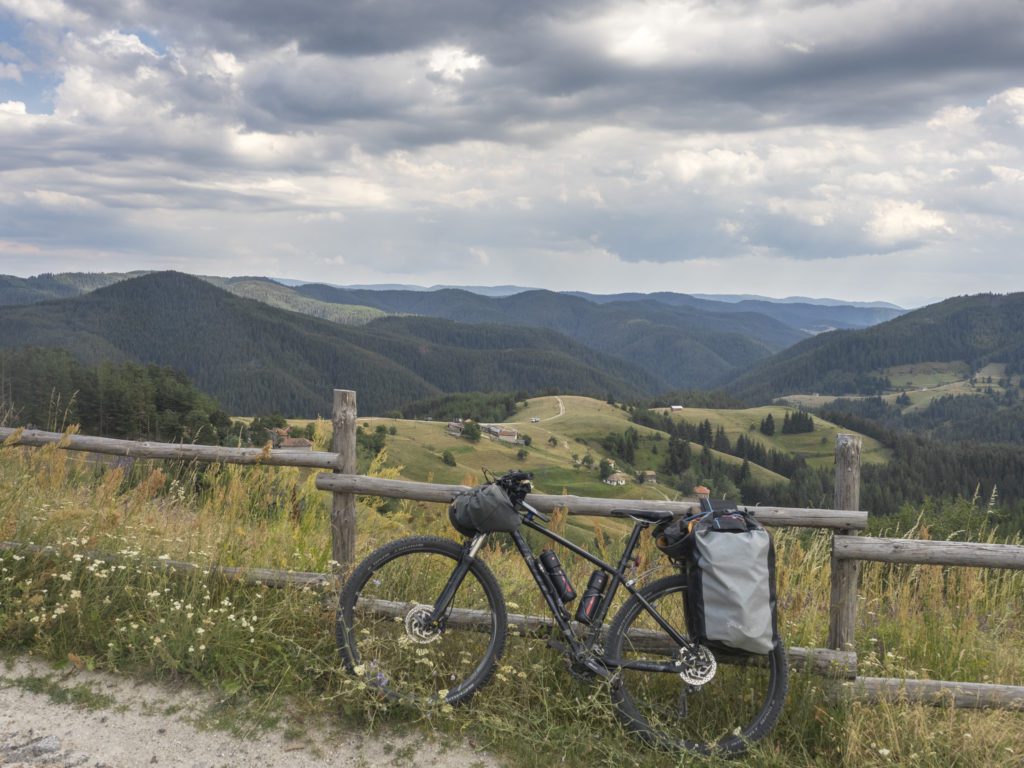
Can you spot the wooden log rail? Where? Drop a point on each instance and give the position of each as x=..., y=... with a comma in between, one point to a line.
x=922, y=552
x=939, y=693
x=171, y=451
x=583, y=505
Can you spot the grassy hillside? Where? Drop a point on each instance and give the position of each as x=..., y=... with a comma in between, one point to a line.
x=575, y=423
x=817, y=447
x=976, y=330
x=282, y=297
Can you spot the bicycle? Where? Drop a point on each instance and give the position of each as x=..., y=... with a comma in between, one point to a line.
x=423, y=620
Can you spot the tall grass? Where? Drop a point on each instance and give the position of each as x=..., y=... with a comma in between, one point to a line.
x=272, y=651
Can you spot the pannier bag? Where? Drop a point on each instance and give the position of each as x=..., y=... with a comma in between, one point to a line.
x=729, y=561
x=483, y=509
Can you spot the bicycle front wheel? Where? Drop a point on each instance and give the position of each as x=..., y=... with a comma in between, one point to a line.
x=740, y=704
x=384, y=635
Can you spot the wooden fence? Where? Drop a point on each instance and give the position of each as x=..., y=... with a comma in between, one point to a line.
x=837, y=660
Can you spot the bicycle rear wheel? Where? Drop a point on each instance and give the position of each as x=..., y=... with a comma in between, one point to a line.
x=383, y=635
x=740, y=704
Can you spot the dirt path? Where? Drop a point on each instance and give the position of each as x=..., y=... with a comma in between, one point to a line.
x=561, y=410
x=116, y=722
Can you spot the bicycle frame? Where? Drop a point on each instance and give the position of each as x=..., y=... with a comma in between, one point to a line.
x=582, y=649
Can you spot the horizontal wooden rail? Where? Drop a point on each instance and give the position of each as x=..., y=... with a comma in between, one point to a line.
x=822, y=661
x=172, y=451
x=929, y=552
x=939, y=693
x=342, y=483
x=582, y=505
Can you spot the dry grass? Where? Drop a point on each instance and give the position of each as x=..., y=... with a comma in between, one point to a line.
x=267, y=649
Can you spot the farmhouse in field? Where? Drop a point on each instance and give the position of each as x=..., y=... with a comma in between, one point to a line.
x=647, y=477
x=675, y=407
x=501, y=432
x=455, y=428
x=617, y=478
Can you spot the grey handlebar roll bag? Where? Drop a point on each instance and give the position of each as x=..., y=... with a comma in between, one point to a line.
x=484, y=509
x=731, y=584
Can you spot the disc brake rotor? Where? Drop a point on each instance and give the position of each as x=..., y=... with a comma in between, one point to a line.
x=698, y=666
x=418, y=626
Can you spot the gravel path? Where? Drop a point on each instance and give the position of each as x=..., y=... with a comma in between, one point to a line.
x=143, y=725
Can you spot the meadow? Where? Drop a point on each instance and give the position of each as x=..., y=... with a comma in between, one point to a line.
x=270, y=656
x=817, y=447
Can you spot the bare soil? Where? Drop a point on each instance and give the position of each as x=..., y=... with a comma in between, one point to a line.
x=117, y=722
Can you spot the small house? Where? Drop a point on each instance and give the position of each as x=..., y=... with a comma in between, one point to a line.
x=617, y=478
x=647, y=477
x=675, y=407
x=455, y=428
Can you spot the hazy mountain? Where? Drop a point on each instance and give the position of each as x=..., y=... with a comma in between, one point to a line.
x=684, y=346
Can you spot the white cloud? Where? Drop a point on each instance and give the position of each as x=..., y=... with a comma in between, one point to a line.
x=452, y=63
x=899, y=221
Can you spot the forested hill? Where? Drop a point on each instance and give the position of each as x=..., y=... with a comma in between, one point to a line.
x=684, y=346
x=975, y=329
x=29, y=290
x=258, y=359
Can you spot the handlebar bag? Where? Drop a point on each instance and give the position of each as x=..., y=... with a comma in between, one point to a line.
x=483, y=509
x=730, y=568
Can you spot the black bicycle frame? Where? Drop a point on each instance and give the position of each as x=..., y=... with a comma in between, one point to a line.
x=558, y=610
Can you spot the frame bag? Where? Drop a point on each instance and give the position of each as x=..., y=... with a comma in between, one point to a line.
x=483, y=509
x=730, y=597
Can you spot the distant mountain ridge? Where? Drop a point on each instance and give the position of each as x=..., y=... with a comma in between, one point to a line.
x=681, y=345
x=259, y=359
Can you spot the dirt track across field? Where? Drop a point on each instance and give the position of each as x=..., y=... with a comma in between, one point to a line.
x=120, y=723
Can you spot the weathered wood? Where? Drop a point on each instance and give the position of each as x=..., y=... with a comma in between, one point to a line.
x=351, y=484
x=843, y=603
x=821, y=661
x=966, y=553
x=582, y=505
x=265, y=576
x=343, y=509
x=939, y=693
x=171, y=451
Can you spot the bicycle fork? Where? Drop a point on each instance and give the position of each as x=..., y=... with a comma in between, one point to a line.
x=444, y=601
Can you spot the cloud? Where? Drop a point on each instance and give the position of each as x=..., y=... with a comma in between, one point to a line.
x=424, y=139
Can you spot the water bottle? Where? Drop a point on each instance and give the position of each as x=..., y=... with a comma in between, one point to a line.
x=592, y=597
x=554, y=569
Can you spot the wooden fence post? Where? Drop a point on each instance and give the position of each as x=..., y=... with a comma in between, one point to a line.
x=343, y=511
x=843, y=604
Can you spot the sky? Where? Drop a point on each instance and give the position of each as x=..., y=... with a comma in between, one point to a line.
x=864, y=150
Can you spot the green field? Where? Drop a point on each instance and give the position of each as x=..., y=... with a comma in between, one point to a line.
x=577, y=428
x=923, y=383
x=817, y=447
x=418, y=446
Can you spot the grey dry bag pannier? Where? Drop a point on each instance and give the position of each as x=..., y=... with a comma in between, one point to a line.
x=729, y=561
x=483, y=509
